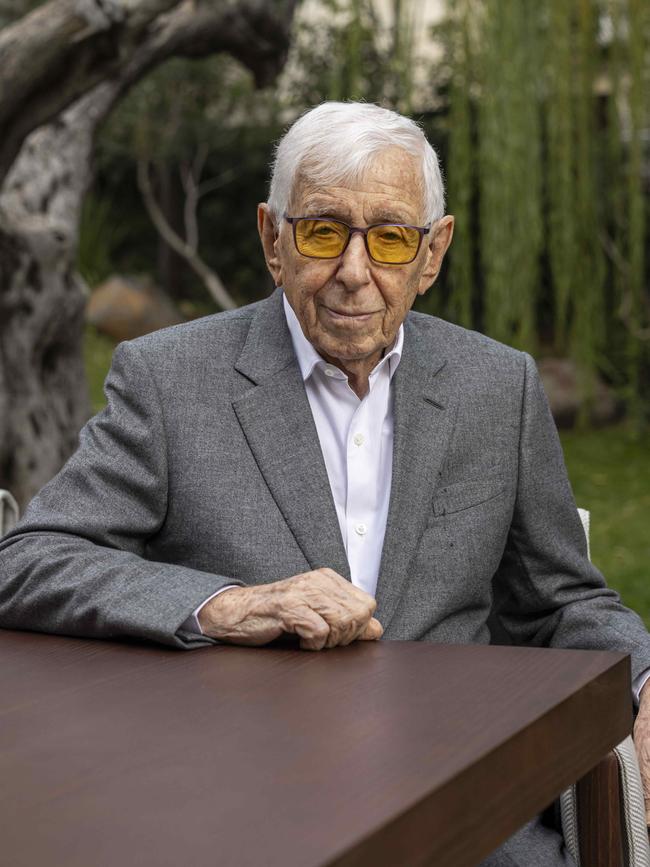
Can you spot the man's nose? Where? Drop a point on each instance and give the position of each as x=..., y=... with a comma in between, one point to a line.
x=354, y=269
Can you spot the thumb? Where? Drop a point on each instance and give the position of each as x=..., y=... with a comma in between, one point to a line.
x=373, y=630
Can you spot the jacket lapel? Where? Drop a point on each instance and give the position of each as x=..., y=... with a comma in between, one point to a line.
x=424, y=413
x=276, y=419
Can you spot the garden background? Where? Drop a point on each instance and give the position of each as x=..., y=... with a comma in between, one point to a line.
x=540, y=112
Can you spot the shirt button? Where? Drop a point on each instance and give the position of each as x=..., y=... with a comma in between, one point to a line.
x=358, y=439
x=361, y=529
x=329, y=371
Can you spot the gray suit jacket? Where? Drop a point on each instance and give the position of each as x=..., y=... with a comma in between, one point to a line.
x=205, y=470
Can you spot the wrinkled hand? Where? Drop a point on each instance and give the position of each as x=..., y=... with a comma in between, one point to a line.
x=641, y=737
x=320, y=606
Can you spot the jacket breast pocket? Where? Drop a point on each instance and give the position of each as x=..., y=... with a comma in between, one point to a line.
x=459, y=496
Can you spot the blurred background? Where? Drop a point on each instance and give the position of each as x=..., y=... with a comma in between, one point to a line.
x=135, y=145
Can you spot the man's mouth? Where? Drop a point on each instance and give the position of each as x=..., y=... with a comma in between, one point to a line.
x=360, y=316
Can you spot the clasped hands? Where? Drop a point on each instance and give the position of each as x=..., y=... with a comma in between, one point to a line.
x=320, y=606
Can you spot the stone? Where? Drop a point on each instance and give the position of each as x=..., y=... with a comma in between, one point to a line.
x=562, y=386
x=125, y=307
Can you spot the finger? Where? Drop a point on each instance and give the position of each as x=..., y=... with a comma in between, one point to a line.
x=346, y=609
x=348, y=627
x=344, y=626
x=344, y=632
x=360, y=630
x=373, y=630
x=311, y=627
x=353, y=634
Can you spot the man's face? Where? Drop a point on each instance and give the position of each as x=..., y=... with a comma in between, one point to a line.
x=350, y=308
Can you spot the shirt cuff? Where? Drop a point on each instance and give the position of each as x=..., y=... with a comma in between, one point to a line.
x=637, y=685
x=192, y=623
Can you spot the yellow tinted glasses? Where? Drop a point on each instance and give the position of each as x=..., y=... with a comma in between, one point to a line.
x=386, y=243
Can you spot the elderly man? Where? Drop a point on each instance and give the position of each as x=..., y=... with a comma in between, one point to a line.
x=325, y=462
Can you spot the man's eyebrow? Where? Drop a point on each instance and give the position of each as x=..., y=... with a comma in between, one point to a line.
x=322, y=208
x=391, y=217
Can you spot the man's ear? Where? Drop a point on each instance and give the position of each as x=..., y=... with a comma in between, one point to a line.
x=438, y=245
x=269, y=236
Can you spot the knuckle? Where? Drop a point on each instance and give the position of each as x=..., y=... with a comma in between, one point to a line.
x=363, y=612
x=322, y=631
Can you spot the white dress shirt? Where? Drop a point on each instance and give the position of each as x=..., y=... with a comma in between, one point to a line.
x=356, y=438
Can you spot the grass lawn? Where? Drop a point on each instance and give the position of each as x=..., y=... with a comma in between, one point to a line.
x=609, y=472
x=98, y=351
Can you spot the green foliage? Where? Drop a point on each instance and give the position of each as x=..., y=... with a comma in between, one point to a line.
x=98, y=352
x=346, y=53
x=540, y=111
x=461, y=178
x=210, y=107
x=509, y=170
x=587, y=337
x=180, y=112
x=100, y=232
x=180, y=103
x=547, y=165
x=633, y=298
x=560, y=183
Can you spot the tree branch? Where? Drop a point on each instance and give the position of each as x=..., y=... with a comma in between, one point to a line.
x=626, y=306
x=190, y=177
x=216, y=183
x=210, y=279
x=62, y=50
x=58, y=52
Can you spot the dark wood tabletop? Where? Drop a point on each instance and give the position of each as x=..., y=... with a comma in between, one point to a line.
x=382, y=753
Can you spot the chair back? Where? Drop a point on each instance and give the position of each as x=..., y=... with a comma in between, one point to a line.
x=8, y=512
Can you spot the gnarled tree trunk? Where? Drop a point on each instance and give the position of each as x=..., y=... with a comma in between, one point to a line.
x=42, y=382
x=44, y=176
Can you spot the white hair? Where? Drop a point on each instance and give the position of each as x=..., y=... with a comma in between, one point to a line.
x=336, y=141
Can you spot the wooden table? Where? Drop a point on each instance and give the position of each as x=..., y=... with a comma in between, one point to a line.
x=386, y=753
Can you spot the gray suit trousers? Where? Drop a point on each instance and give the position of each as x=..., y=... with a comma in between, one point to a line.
x=537, y=844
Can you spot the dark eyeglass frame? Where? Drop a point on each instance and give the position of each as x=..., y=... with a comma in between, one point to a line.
x=422, y=230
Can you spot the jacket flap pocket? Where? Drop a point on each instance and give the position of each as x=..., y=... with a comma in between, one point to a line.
x=471, y=492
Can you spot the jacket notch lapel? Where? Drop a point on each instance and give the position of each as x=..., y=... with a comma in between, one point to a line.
x=277, y=422
x=424, y=415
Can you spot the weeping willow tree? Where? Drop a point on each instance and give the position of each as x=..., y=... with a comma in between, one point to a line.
x=509, y=170
x=587, y=322
x=461, y=177
x=549, y=169
x=362, y=51
x=634, y=302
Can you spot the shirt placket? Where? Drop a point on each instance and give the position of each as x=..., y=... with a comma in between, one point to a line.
x=363, y=444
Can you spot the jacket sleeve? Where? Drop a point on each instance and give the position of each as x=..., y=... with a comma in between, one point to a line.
x=75, y=564
x=546, y=591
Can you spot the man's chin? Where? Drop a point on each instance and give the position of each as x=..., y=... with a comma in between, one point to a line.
x=349, y=351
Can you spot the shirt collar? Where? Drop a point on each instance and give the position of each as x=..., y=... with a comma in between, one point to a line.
x=308, y=358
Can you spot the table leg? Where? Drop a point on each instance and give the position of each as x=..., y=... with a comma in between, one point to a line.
x=600, y=823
